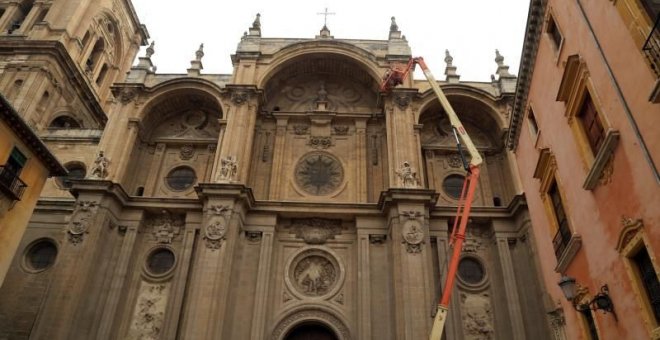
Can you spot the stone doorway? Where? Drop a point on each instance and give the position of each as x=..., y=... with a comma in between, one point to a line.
x=311, y=331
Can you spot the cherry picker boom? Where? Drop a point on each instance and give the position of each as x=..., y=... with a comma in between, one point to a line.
x=395, y=76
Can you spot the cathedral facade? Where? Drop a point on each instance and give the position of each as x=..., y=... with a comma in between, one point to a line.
x=287, y=199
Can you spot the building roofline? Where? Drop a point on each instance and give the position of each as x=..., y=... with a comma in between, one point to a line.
x=527, y=60
x=25, y=133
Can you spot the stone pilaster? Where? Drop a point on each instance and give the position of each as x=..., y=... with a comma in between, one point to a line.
x=364, y=289
x=243, y=103
x=510, y=285
x=258, y=330
x=278, y=158
x=225, y=206
x=361, y=148
x=401, y=142
x=454, y=324
x=407, y=211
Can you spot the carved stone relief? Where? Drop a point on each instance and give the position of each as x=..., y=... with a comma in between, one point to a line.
x=402, y=100
x=253, y=236
x=557, y=323
x=454, y=161
x=319, y=173
x=239, y=97
x=228, y=169
x=165, y=226
x=187, y=152
x=215, y=228
x=477, y=316
x=100, y=168
x=316, y=230
x=314, y=273
x=413, y=231
x=407, y=175
x=300, y=129
x=340, y=130
x=80, y=220
x=190, y=124
x=149, y=312
x=320, y=142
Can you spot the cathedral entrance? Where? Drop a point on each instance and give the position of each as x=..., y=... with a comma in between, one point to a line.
x=311, y=331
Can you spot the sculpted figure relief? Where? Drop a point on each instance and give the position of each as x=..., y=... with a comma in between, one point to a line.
x=228, y=169
x=408, y=175
x=100, y=169
x=315, y=275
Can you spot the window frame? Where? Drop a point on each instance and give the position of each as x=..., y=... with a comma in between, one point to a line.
x=631, y=240
x=551, y=22
x=576, y=83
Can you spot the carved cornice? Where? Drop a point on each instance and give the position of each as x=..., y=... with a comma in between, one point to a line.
x=631, y=227
x=530, y=47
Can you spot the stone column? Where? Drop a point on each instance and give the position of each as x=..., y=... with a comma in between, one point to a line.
x=361, y=148
x=278, y=158
x=364, y=289
x=239, y=135
x=180, y=281
x=258, y=330
x=401, y=141
x=509, y=278
x=225, y=206
x=407, y=211
x=119, y=278
x=454, y=324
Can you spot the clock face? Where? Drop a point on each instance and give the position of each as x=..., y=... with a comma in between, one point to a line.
x=319, y=173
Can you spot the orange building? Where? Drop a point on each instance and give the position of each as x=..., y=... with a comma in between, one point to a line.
x=586, y=133
x=25, y=164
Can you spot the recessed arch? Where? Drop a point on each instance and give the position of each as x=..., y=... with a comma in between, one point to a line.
x=310, y=314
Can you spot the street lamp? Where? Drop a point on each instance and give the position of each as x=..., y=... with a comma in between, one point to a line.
x=601, y=301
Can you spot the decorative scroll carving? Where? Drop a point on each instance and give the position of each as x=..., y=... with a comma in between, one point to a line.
x=215, y=229
x=377, y=239
x=477, y=316
x=631, y=226
x=149, y=313
x=608, y=170
x=315, y=315
x=100, y=168
x=253, y=236
x=454, y=161
x=557, y=323
x=228, y=169
x=320, y=142
x=316, y=230
x=408, y=175
x=80, y=220
x=340, y=130
x=165, y=227
x=239, y=97
x=300, y=129
x=187, y=152
x=402, y=100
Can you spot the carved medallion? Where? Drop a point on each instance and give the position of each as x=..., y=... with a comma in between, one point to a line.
x=320, y=142
x=314, y=275
x=413, y=235
x=215, y=230
x=319, y=173
x=187, y=151
x=80, y=220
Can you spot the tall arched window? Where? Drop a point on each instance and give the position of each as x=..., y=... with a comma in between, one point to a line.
x=95, y=55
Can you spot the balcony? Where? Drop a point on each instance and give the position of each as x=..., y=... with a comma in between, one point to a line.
x=651, y=47
x=10, y=184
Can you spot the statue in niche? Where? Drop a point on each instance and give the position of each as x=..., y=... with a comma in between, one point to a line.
x=100, y=168
x=408, y=175
x=228, y=168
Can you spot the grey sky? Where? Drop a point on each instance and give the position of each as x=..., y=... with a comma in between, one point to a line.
x=470, y=29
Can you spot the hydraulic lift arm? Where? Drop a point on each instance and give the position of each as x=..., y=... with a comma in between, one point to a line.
x=395, y=76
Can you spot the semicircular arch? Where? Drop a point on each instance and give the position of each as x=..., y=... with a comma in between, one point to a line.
x=306, y=313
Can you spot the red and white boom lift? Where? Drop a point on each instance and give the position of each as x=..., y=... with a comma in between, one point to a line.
x=395, y=76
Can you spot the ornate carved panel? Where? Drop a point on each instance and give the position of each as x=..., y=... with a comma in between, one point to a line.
x=80, y=220
x=316, y=230
x=319, y=173
x=314, y=273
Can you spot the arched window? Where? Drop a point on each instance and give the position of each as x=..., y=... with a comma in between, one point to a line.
x=64, y=122
x=76, y=171
x=96, y=54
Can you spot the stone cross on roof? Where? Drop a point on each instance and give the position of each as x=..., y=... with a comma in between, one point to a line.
x=325, y=16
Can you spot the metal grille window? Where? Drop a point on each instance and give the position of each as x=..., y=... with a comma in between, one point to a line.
x=649, y=280
x=160, y=261
x=41, y=255
x=453, y=185
x=563, y=235
x=593, y=127
x=471, y=271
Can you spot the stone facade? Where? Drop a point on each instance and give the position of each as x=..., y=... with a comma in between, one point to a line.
x=291, y=192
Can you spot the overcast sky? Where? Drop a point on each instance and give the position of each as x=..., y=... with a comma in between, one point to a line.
x=470, y=29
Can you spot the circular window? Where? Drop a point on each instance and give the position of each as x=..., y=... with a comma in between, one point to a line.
x=453, y=185
x=181, y=178
x=41, y=255
x=76, y=171
x=319, y=173
x=160, y=261
x=471, y=271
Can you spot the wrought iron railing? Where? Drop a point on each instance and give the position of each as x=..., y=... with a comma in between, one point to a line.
x=11, y=184
x=652, y=46
x=560, y=241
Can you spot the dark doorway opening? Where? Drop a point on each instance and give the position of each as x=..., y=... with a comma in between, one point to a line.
x=311, y=331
